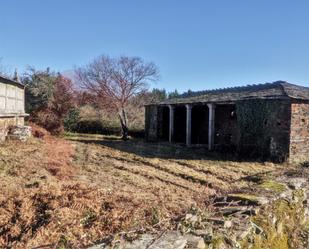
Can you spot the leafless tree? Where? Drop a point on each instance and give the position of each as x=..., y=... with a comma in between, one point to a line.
x=3, y=69
x=116, y=80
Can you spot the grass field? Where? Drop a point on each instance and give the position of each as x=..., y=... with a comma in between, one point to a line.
x=72, y=193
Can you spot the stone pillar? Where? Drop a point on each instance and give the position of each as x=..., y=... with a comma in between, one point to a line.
x=188, y=124
x=211, y=126
x=171, y=128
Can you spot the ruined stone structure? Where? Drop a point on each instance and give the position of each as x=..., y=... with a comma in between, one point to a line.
x=12, y=105
x=270, y=121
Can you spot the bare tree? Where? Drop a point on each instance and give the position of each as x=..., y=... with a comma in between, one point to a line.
x=116, y=80
x=3, y=69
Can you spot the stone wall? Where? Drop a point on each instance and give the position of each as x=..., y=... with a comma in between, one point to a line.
x=11, y=99
x=299, y=137
x=264, y=128
x=226, y=128
x=279, y=129
x=151, y=123
x=6, y=122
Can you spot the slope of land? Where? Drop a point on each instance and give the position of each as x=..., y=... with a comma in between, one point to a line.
x=71, y=194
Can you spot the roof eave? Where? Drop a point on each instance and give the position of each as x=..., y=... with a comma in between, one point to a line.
x=221, y=101
x=11, y=82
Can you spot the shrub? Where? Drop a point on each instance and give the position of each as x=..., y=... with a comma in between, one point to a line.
x=49, y=97
x=94, y=127
x=71, y=120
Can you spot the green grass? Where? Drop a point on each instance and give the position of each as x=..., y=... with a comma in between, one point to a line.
x=273, y=186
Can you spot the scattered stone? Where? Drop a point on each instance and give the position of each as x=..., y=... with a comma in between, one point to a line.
x=279, y=228
x=206, y=234
x=169, y=240
x=225, y=203
x=21, y=133
x=3, y=134
x=243, y=233
x=306, y=212
x=228, y=224
x=217, y=231
x=296, y=183
x=195, y=242
x=244, y=199
x=257, y=229
x=220, y=222
x=226, y=211
x=216, y=221
x=142, y=242
x=262, y=200
x=100, y=246
x=251, y=211
x=286, y=194
x=191, y=218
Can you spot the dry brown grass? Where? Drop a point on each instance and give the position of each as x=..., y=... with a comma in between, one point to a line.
x=72, y=194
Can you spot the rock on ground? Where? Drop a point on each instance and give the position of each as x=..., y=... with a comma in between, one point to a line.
x=167, y=240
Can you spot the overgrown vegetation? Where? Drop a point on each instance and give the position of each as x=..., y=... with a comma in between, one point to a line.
x=95, y=97
x=53, y=192
x=49, y=97
x=57, y=104
x=252, y=118
x=281, y=224
x=115, y=81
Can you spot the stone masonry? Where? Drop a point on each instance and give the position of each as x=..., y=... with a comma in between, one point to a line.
x=299, y=137
x=267, y=121
x=7, y=122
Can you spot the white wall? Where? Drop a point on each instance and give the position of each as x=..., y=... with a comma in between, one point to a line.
x=11, y=99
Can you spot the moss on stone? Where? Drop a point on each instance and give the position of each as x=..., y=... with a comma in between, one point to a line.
x=273, y=186
x=252, y=199
x=281, y=224
x=218, y=242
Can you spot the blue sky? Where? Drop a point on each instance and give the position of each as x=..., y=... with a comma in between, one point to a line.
x=196, y=44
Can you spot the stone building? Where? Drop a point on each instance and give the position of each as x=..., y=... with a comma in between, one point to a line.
x=12, y=105
x=270, y=121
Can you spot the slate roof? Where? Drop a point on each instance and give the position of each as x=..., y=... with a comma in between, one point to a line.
x=11, y=82
x=275, y=90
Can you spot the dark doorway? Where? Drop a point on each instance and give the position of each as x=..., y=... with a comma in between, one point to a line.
x=179, y=124
x=164, y=123
x=200, y=124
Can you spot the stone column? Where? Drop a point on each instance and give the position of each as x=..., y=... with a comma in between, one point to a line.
x=171, y=128
x=188, y=124
x=211, y=126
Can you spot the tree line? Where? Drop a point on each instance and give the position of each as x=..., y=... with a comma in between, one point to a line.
x=113, y=89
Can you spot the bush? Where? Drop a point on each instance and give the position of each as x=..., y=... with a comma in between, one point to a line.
x=77, y=121
x=73, y=124
x=49, y=121
x=71, y=120
x=93, y=127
